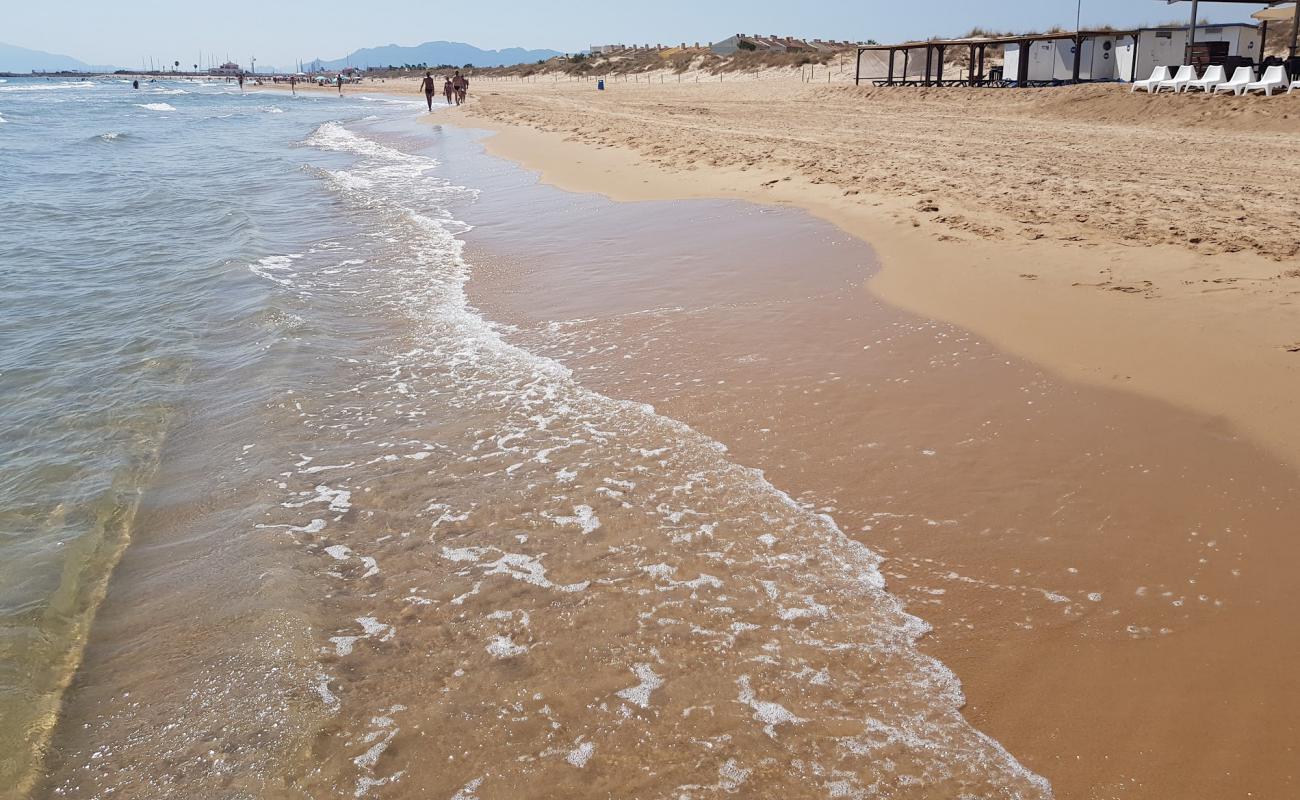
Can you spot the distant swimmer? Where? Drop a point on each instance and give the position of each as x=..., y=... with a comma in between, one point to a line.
x=135, y=84
x=448, y=91
x=293, y=84
x=427, y=86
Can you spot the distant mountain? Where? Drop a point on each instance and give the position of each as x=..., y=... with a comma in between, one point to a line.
x=432, y=53
x=20, y=59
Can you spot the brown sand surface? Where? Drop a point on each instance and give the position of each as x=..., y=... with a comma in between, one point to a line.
x=1124, y=240
x=1025, y=218
x=1098, y=568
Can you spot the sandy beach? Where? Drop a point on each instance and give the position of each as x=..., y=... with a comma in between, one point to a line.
x=1085, y=231
x=711, y=435
x=1075, y=227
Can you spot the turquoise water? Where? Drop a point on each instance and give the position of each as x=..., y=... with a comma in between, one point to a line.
x=129, y=219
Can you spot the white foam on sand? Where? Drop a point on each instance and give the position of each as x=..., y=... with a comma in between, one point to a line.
x=580, y=755
x=339, y=500
x=469, y=791
x=322, y=689
x=767, y=713
x=372, y=628
x=529, y=570
x=339, y=552
x=640, y=694
x=584, y=517
x=504, y=647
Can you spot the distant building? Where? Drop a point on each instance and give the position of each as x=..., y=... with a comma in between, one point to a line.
x=607, y=49
x=228, y=68
x=754, y=43
x=774, y=44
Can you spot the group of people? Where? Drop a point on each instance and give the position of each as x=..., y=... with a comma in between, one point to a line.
x=454, y=88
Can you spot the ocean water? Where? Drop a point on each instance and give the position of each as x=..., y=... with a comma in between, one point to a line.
x=129, y=217
x=352, y=541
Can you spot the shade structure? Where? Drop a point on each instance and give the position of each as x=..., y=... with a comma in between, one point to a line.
x=1275, y=14
x=923, y=63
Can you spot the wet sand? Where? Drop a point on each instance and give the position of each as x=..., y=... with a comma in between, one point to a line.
x=1107, y=575
x=1024, y=216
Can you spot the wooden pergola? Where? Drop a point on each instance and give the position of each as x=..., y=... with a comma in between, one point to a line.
x=976, y=46
x=1295, y=17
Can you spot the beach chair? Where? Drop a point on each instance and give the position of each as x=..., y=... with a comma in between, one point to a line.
x=1213, y=77
x=1294, y=85
x=1274, y=78
x=1185, y=75
x=1241, y=78
x=1157, y=75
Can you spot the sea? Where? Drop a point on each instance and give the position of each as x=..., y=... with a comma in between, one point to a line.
x=284, y=514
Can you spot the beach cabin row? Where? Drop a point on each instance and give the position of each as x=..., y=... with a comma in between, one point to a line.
x=1055, y=58
x=1125, y=55
x=1050, y=61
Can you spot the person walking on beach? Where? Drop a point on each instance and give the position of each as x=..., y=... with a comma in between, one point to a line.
x=428, y=87
x=448, y=90
x=293, y=84
x=241, y=81
x=458, y=83
x=339, y=79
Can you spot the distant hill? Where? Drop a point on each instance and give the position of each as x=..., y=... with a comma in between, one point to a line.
x=432, y=53
x=19, y=59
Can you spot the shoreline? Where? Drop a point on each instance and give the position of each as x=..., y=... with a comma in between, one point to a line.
x=1048, y=533
x=1065, y=667
x=436, y=614
x=1225, y=360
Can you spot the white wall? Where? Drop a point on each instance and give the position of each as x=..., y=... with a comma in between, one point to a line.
x=1169, y=47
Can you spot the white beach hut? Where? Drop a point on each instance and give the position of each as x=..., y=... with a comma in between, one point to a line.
x=1041, y=63
x=1097, y=63
x=1166, y=47
x=1053, y=59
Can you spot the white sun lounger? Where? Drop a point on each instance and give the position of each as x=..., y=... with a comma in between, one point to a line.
x=1213, y=77
x=1241, y=78
x=1157, y=75
x=1185, y=75
x=1294, y=85
x=1274, y=78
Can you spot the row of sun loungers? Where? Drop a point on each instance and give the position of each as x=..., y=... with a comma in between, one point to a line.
x=1243, y=81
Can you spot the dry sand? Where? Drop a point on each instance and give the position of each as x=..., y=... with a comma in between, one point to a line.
x=1132, y=243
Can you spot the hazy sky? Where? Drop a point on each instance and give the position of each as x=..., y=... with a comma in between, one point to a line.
x=278, y=32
